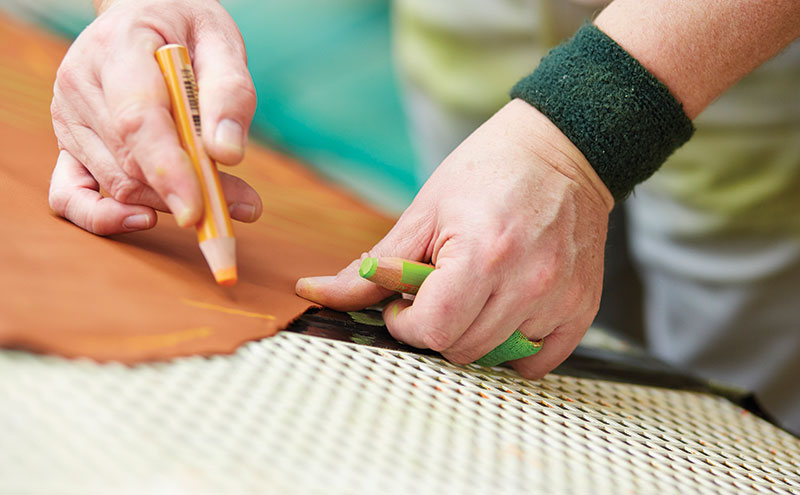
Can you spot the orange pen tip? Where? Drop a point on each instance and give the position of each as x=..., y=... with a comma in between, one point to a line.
x=226, y=276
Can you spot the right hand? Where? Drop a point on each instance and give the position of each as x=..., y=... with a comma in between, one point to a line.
x=515, y=221
x=111, y=116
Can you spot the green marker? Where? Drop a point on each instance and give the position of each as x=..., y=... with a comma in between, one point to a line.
x=407, y=276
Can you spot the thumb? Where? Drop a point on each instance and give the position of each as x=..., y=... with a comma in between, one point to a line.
x=226, y=92
x=348, y=291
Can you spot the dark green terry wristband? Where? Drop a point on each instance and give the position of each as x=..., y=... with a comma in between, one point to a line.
x=623, y=119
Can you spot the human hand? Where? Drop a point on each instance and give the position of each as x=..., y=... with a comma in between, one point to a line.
x=111, y=115
x=515, y=221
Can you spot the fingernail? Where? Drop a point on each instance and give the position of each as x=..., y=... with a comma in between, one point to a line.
x=137, y=222
x=307, y=287
x=242, y=211
x=302, y=287
x=183, y=213
x=230, y=135
x=311, y=283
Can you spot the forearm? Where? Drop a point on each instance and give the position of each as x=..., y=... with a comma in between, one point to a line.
x=698, y=49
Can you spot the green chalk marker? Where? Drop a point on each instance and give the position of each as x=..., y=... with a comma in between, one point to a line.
x=395, y=273
x=516, y=346
x=407, y=276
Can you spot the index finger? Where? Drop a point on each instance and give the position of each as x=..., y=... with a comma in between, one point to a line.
x=139, y=107
x=447, y=303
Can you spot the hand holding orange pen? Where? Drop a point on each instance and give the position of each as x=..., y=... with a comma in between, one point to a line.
x=214, y=231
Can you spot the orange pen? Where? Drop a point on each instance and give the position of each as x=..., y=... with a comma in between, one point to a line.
x=214, y=232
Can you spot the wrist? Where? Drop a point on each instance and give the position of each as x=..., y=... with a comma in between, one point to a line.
x=548, y=143
x=621, y=117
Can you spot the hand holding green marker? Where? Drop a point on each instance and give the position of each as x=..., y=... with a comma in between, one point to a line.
x=407, y=276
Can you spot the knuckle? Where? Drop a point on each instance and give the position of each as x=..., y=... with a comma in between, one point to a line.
x=240, y=191
x=246, y=91
x=56, y=111
x=460, y=357
x=68, y=77
x=129, y=118
x=125, y=190
x=540, y=281
x=500, y=248
x=240, y=85
x=103, y=33
x=207, y=21
x=63, y=122
x=243, y=84
x=61, y=129
x=409, y=236
x=58, y=200
x=435, y=338
x=64, y=204
x=127, y=162
x=528, y=372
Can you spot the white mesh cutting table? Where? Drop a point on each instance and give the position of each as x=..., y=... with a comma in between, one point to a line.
x=301, y=414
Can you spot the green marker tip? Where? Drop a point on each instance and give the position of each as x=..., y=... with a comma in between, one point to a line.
x=368, y=267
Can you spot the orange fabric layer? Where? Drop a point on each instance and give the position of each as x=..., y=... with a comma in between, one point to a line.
x=149, y=295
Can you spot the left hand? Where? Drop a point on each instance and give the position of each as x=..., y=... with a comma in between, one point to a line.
x=515, y=221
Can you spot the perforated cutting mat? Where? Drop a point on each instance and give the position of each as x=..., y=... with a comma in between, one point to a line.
x=299, y=414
